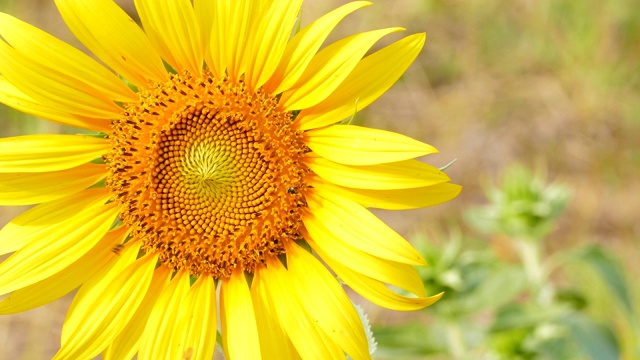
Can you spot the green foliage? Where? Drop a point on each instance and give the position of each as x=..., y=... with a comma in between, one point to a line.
x=495, y=308
x=522, y=207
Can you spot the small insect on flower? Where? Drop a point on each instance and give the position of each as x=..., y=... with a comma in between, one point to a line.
x=292, y=190
x=117, y=249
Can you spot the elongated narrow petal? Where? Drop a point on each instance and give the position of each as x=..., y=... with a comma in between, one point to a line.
x=375, y=291
x=63, y=282
x=204, y=13
x=304, y=45
x=238, y=319
x=35, y=188
x=345, y=218
x=325, y=302
x=45, y=49
x=274, y=341
x=43, y=153
x=51, y=87
x=399, y=175
x=282, y=295
x=94, y=287
x=125, y=345
x=57, y=249
x=198, y=325
x=105, y=29
x=157, y=340
x=14, y=98
x=31, y=224
x=391, y=272
x=274, y=30
x=105, y=313
x=357, y=145
x=173, y=30
x=360, y=89
x=329, y=68
x=399, y=199
x=233, y=35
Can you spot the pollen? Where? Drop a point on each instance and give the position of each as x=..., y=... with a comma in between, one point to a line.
x=208, y=174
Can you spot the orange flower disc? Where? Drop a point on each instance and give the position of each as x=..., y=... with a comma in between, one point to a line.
x=209, y=174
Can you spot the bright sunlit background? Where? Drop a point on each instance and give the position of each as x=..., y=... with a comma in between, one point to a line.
x=539, y=102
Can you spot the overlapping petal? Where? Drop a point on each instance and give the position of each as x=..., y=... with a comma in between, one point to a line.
x=357, y=145
x=125, y=345
x=329, y=68
x=398, y=199
x=100, y=314
x=406, y=174
x=105, y=29
x=172, y=28
x=13, y=97
x=67, y=279
x=56, y=249
x=198, y=324
x=360, y=88
x=345, y=218
x=51, y=152
x=304, y=45
x=52, y=87
x=157, y=341
x=40, y=219
x=238, y=320
x=35, y=188
x=48, y=51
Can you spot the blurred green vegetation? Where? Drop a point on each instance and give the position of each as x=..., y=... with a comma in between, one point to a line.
x=552, y=84
x=504, y=294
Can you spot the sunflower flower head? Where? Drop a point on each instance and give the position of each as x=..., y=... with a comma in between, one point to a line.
x=218, y=165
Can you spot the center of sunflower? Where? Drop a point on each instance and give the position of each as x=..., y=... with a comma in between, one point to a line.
x=208, y=174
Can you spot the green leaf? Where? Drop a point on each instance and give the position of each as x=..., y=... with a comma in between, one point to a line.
x=609, y=270
x=595, y=340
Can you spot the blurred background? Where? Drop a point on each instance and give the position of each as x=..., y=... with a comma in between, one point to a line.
x=539, y=104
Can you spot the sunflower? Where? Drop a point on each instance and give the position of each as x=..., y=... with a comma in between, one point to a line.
x=216, y=178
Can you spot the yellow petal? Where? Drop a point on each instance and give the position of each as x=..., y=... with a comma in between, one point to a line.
x=304, y=45
x=125, y=345
x=45, y=49
x=35, y=188
x=157, y=340
x=51, y=87
x=377, y=292
x=12, y=97
x=398, y=175
x=233, y=35
x=400, y=199
x=325, y=302
x=97, y=284
x=329, y=68
x=237, y=319
x=109, y=33
x=173, y=30
x=371, y=78
x=274, y=342
x=204, y=12
x=282, y=296
x=198, y=323
x=55, y=250
x=37, y=221
x=357, y=145
x=42, y=153
x=106, y=310
x=274, y=31
x=325, y=243
x=63, y=282
x=348, y=220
